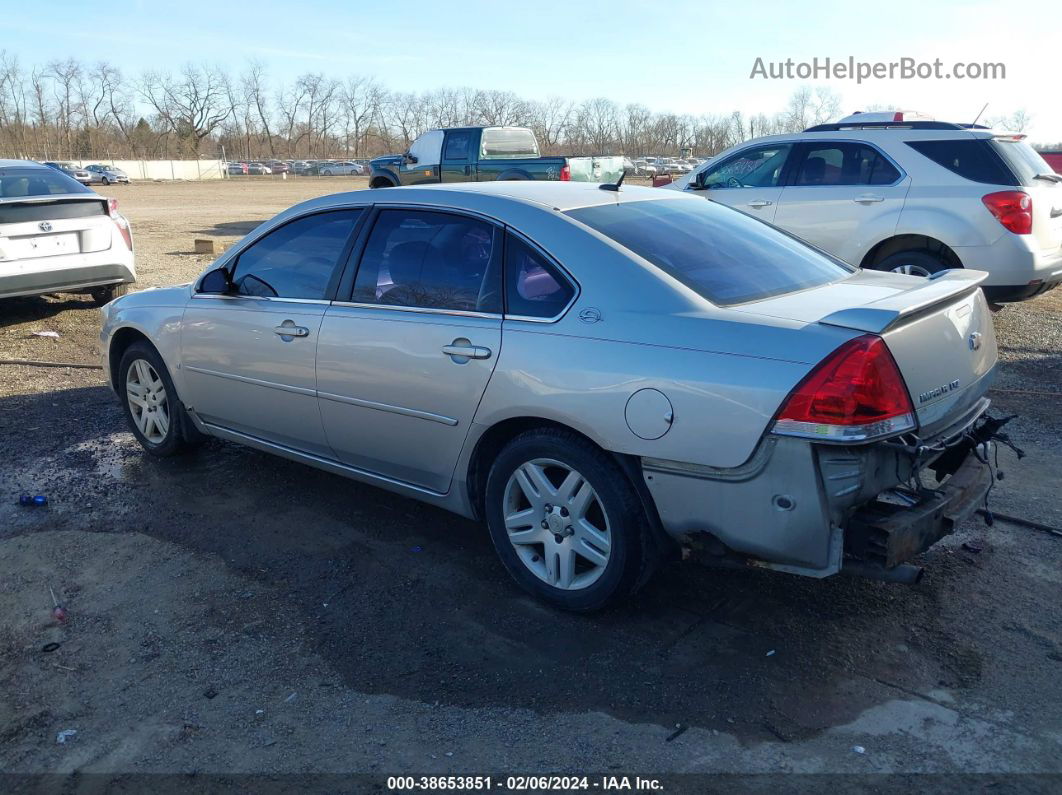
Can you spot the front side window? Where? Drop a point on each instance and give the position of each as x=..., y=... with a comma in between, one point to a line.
x=457, y=144
x=296, y=260
x=844, y=164
x=431, y=260
x=533, y=286
x=759, y=167
x=722, y=254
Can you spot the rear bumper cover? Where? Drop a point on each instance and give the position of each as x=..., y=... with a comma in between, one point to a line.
x=60, y=280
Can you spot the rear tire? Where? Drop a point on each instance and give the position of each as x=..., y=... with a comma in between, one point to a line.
x=104, y=295
x=912, y=263
x=566, y=522
x=152, y=407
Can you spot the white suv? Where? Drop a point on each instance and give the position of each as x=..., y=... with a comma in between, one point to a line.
x=914, y=197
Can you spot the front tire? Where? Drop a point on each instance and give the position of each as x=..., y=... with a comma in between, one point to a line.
x=565, y=521
x=105, y=181
x=152, y=408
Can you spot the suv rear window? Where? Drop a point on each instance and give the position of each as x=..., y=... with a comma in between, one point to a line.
x=1023, y=160
x=971, y=158
x=722, y=254
x=16, y=182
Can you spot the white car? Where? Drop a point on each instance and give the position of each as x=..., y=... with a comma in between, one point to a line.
x=56, y=235
x=915, y=197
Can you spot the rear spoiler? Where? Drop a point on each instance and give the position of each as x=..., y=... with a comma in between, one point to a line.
x=52, y=197
x=878, y=316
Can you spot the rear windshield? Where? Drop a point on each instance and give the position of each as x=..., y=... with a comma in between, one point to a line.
x=499, y=143
x=724, y=255
x=1023, y=160
x=971, y=158
x=17, y=182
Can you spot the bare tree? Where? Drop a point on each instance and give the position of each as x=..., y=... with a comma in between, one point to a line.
x=193, y=105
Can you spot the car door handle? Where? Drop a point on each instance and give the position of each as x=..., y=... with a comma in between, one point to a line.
x=760, y=203
x=868, y=198
x=289, y=329
x=467, y=351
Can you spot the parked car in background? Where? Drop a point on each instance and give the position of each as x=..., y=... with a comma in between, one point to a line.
x=1053, y=159
x=76, y=172
x=338, y=168
x=107, y=175
x=236, y=169
x=57, y=236
x=482, y=154
x=258, y=168
x=643, y=166
x=278, y=167
x=601, y=375
x=915, y=197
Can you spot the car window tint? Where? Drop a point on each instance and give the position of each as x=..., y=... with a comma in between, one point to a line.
x=457, y=146
x=296, y=260
x=759, y=167
x=17, y=182
x=533, y=286
x=432, y=260
x=724, y=255
x=845, y=164
x=971, y=158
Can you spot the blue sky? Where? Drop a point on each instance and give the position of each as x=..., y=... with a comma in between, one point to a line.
x=685, y=56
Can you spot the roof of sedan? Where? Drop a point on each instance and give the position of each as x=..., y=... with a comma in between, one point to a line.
x=10, y=163
x=554, y=194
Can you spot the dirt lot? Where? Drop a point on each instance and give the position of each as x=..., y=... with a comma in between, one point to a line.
x=237, y=613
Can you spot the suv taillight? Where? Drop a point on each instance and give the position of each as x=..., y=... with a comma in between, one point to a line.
x=566, y=173
x=120, y=222
x=855, y=395
x=1012, y=208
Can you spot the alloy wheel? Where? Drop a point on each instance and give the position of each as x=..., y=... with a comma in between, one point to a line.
x=148, y=402
x=557, y=524
x=911, y=270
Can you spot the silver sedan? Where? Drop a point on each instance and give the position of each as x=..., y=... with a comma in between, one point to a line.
x=606, y=376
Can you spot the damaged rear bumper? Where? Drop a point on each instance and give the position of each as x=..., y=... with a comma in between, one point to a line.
x=902, y=524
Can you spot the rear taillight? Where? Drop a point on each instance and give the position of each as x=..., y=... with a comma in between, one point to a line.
x=120, y=222
x=855, y=395
x=566, y=173
x=1012, y=208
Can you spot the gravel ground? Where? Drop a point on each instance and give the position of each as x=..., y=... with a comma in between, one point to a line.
x=237, y=613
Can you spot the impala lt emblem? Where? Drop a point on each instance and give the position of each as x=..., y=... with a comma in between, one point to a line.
x=943, y=389
x=44, y=226
x=975, y=341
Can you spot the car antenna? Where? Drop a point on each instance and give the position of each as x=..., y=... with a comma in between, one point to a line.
x=614, y=185
x=979, y=115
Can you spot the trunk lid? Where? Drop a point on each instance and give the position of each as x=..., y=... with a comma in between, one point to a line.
x=939, y=331
x=35, y=227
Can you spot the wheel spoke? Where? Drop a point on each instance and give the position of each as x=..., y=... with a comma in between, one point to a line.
x=162, y=421
x=533, y=535
x=148, y=428
x=565, y=572
x=521, y=519
x=582, y=500
x=591, y=553
x=136, y=400
x=141, y=420
x=136, y=388
x=533, y=482
x=587, y=533
x=142, y=373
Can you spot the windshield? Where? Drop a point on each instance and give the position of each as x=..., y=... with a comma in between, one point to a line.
x=724, y=255
x=507, y=142
x=18, y=182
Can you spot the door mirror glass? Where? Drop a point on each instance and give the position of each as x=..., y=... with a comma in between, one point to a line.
x=217, y=282
x=410, y=158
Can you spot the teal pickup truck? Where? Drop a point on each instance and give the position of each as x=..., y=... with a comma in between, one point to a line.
x=482, y=154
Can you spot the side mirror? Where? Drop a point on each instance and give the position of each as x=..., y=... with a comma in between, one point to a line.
x=695, y=182
x=410, y=158
x=217, y=282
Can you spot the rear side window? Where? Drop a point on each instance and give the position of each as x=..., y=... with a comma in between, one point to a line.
x=533, y=286
x=457, y=146
x=18, y=182
x=844, y=164
x=296, y=260
x=506, y=142
x=970, y=158
x=722, y=254
x=433, y=260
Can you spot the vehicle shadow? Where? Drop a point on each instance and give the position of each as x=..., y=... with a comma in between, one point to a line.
x=404, y=599
x=38, y=307
x=230, y=228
